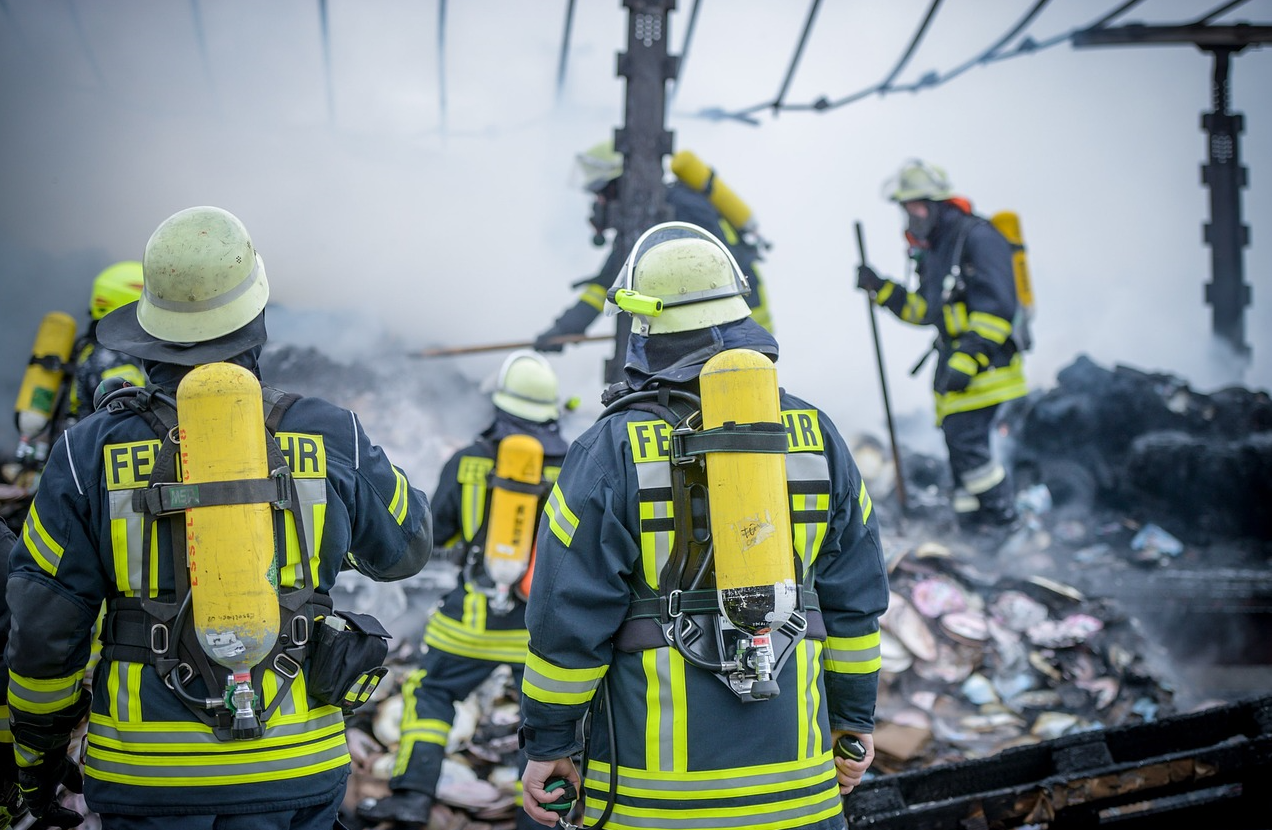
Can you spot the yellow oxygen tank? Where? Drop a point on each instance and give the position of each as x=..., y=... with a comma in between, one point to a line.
x=750, y=511
x=230, y=547
x=42, y=383
x=514, y=508
x=694, y=172
x=1008, y=224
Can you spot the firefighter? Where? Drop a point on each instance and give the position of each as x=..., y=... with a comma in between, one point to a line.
x=108, y=525
x=967, y=292
x=625, y=625
x=601, y=167
x=117, y=285
x=11, y=807
x=472, y=633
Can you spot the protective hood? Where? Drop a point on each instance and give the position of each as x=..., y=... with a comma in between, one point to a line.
x=167, y=375
x=547, y=433
x=679, y=357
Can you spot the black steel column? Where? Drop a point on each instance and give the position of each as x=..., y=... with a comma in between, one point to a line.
x=1227, y=293
x=643, y=139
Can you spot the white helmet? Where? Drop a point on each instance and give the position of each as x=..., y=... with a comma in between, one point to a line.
x=679, y=277
x=918, y=180
x=527, y=387
x=600, y=164
x=203, y=277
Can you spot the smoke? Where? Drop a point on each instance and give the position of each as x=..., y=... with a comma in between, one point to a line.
x=411, y=188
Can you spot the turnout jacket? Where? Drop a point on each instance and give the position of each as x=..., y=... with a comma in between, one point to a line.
x=464, y=625
x=81, y=547
x=967, y=292
x=687, y=752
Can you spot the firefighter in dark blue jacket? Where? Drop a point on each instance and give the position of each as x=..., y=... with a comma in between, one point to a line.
x=101, y=529
x=602, y=167
x=967, y=292
x=636, y=646
x=473, y=632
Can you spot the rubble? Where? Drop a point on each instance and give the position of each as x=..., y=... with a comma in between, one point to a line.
x=1139, y=498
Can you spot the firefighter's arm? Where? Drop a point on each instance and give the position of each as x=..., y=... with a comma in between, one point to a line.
x=392, y=533
x=991, y=294
x=908, y=306
x=852, y=588
x=849, y=770
x=589, y=303
x=578, y=602
x=447, y=519
x=54, y=590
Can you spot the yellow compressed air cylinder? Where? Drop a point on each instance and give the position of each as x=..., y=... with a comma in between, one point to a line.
x=750, y=511
x=513, y=512
x=694, y=172
x=230, y=547
x=42, y=381
x=1008, y=224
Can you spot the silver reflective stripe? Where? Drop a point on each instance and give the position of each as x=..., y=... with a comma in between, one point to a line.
x=190, y=306
x=652, y=475
x=984, y=478
x=121, y=512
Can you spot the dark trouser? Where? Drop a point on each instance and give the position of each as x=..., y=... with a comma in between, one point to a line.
x=317, y=817
x=447, y=678
x=983, y=491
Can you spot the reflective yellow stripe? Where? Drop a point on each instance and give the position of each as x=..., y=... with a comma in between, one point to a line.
x=561, y=520
x=955, y=318
x=401, y=500
x=593, y=295
x=41, y=696
x=865, y=503
x=852, y=655
x=990, y=326
x=43, y=549
x=454, y=637
x=984, y=478
x=196, y=770
x=471, y=476
x=986, y=389
x=554, y=684
x=669, y=799
x=964, y=363
x=915, y=309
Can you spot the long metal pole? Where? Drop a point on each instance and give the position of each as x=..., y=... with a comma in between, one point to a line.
x=883, y=383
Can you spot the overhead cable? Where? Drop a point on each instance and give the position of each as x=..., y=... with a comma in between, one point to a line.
x=684, y=49
x=324, y=28
x=993, y=54
x=441, y=63
x=565, y=47
x=1221, y=10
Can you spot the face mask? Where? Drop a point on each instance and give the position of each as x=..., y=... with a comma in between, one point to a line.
x=921, y=228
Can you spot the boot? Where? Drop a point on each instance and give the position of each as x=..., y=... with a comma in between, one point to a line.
x=402, y=805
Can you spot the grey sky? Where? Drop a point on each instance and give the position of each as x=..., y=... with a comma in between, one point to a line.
x=466, y=227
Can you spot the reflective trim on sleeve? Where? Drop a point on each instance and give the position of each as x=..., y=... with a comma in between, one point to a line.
x=561, y=520
x=547, y=683
x=43, y=696
x=852, y=655
x=46, y=552
x=593, y=295
x=401, y=496
x=990, y=326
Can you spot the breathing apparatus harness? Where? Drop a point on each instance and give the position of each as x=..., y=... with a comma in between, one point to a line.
x=157, y=631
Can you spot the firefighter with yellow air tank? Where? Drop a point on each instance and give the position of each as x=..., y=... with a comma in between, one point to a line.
x=974, y=291
x=487, y=504
x=211, y=514
x=696, y=194
x=708, y=581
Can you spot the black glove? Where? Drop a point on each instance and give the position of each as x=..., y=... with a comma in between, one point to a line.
x=12, y=808
x=39, y=785
x=954, y=375
x=574, y=320
x=868, y=280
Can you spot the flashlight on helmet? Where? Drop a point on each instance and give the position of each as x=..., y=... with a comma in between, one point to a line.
x=634, y=302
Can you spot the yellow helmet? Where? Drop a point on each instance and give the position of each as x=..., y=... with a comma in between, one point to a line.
x=918, y=180
x=527, y=387
x=679, y=277
x=600, y=164
x=203, y=277
x=118, y=285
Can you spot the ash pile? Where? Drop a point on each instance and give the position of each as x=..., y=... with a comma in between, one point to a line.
x=1138, y=584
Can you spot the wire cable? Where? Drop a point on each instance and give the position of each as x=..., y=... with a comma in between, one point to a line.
x=565, y=47
x=931, y=79
x=1209, y=16
x=799, y=52
x=324, y=28
x=684, y=49
x=983, y=56
x=441, y=62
